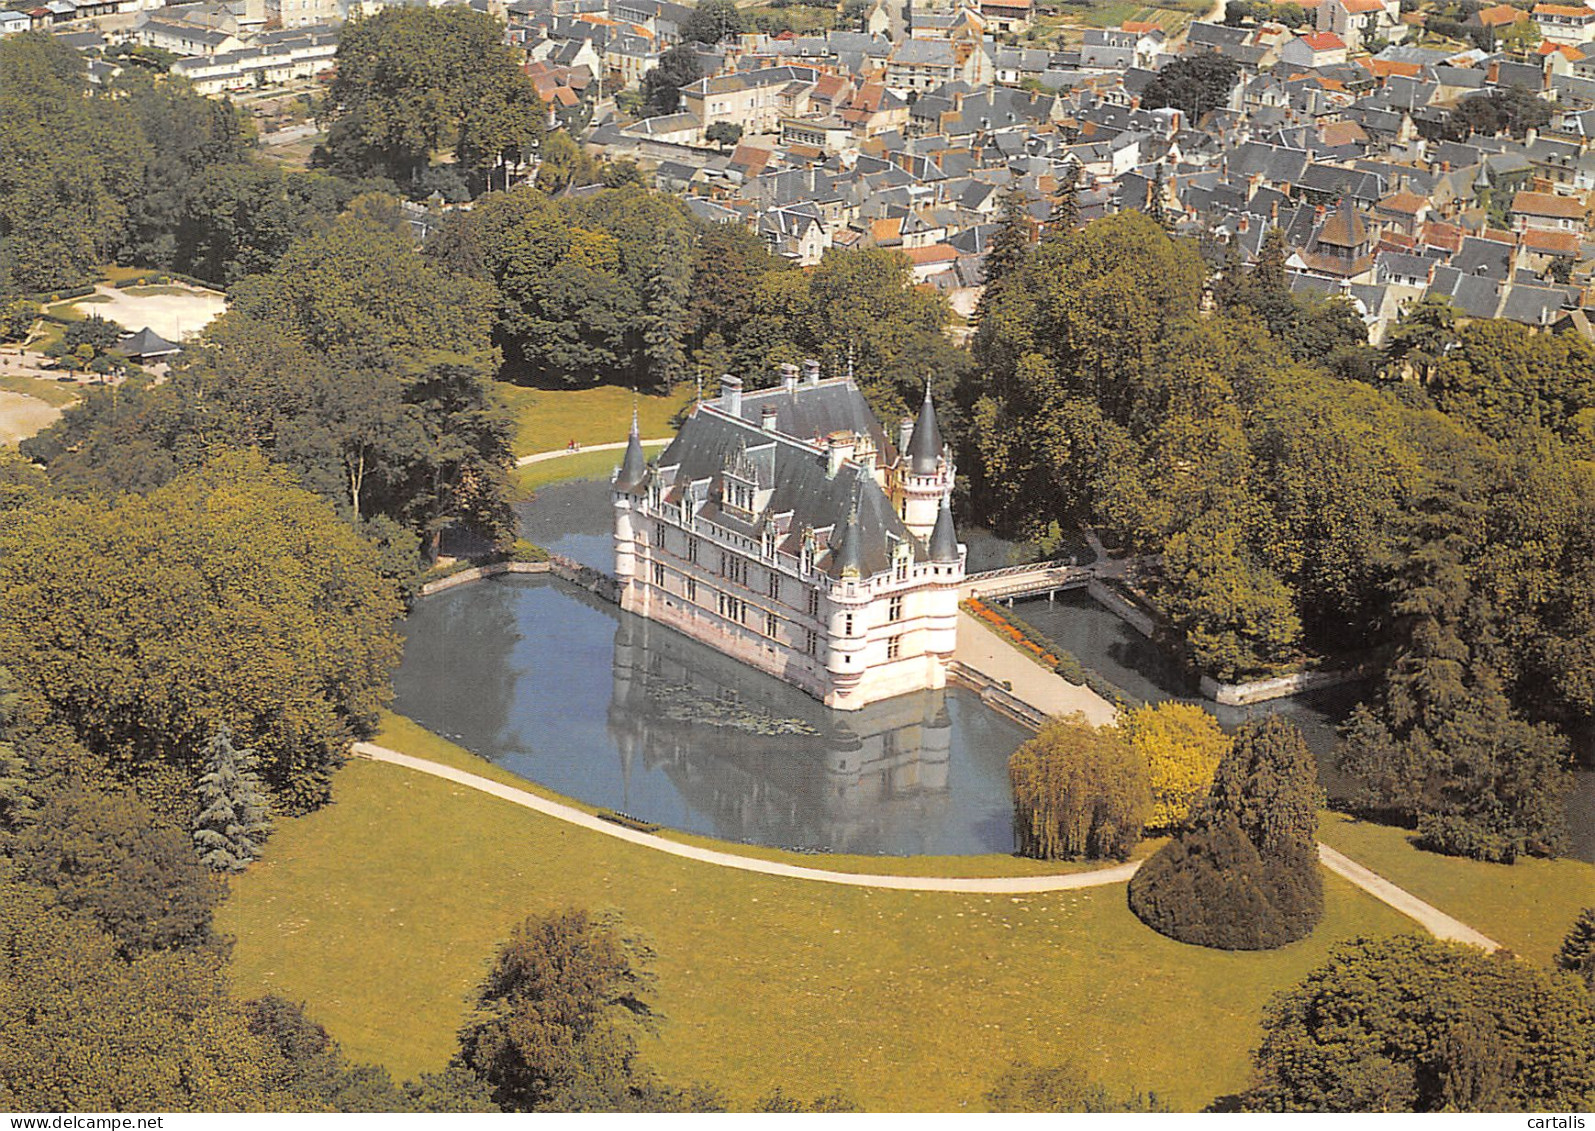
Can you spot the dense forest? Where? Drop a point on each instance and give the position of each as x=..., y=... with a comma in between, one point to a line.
x=1441, y=527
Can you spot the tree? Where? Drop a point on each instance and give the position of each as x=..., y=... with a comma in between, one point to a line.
x=233, y=817
x=713, y=21
x=1514, y=111
x=1065, y=214
x=1196, y=84
x=1011, y=242
x=723, y=134
x=558, y=1014
x=106, y=855
x=1183, y=746
x=1577, y=955
x=1079, y=791
x=85, y=1027
x=1244, y=875
x=776, y=1100
x=661, y=85
x=413, y=81
x=1414, y=1024
x=1063, y=1086
x=1269, y=782
x=74, y=162
x=17, y=318
x=412, y=343
x=228, y=597
x=1238, y=617
x=1423, y=335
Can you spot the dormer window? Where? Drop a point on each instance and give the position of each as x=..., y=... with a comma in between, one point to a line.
x=808, y=552
x=769, y=541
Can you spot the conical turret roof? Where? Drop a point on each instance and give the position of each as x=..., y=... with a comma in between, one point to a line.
x=924, y=446
x=635, y=465
x=944, y=539
x=850, y=552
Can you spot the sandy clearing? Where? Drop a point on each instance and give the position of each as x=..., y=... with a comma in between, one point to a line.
x=172, y=316
x=21, y=417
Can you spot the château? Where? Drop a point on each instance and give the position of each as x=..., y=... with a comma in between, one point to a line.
x=785, y=528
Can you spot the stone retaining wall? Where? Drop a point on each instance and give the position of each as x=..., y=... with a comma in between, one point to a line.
x=1122, y=607
x=596, y=582
x=466, y=576
x=1280, y=687
x=996, y=695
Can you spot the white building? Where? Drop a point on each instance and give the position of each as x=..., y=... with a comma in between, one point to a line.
x=786, y=529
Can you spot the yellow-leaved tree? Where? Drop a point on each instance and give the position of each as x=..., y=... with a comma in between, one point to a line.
x=1182, y=745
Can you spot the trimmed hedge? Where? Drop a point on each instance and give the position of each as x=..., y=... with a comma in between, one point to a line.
x=1211, y=887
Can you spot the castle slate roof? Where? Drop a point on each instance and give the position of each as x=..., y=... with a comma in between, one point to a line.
x=710, y=440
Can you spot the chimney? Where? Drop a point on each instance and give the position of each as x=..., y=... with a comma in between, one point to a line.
x=789, y=376
x=1530, y=135
x=1246, y=222
x=767, y=418
x=731, y=395
x=905, y=430
x=838, y=450
x=811, y=372
x=1318, y=214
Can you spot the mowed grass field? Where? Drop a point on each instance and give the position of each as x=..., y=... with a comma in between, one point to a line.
x=1528, y=907
x=382, y=910
x=547, y=420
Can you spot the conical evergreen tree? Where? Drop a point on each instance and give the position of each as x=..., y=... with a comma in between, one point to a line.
x=1578, y=950
x=233, y=819
x=1065, y=215
x=1011, y=244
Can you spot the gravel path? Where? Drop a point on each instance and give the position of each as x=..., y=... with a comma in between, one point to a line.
x=539, y=457
x=1431, y=918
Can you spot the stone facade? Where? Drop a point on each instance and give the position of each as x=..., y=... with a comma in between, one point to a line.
x=787, y=530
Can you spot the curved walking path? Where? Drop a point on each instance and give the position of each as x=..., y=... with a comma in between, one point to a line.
x=1431, y=918
x=539, y=457
x=1117, y=874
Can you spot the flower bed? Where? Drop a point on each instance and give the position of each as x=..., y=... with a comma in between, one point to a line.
x=1035, y=644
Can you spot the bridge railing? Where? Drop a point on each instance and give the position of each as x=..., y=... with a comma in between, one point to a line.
x=1014, y=571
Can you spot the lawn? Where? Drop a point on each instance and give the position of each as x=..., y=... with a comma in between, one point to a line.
x=58, y=394
x=548, y=419
x=381, y=911
x=401, y=733
x=582, y=465
x=1527, y=907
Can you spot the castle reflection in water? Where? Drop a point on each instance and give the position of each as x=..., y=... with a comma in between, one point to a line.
x=775, y=761
x=689, y=738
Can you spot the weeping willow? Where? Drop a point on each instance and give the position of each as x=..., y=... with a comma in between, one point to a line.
x=1079, y=791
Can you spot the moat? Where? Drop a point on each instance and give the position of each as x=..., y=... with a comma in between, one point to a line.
x=618, y=712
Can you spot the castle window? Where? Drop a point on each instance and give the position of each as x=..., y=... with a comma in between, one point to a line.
x=770, y=625
x=902, y=571
x=659, y=535
x=692, y=548
x=659, y=574
x=893, y=647
x=847, y=624
x=811, y=642
x=894, y=609
x=775, y=586
x=692, y=589
x=814, y=602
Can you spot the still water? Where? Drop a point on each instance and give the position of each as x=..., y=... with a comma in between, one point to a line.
x=618, y=712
